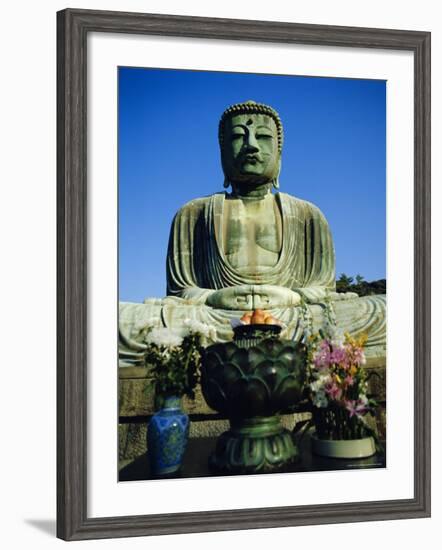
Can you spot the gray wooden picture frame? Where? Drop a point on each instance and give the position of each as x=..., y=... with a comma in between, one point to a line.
x=73, y=27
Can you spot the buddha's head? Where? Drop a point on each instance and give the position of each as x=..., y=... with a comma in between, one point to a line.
x=250, y=137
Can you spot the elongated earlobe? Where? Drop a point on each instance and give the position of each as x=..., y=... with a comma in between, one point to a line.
x=275, y=180
x=226, y=183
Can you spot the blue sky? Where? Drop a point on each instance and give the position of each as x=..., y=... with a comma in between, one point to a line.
x=333, y=156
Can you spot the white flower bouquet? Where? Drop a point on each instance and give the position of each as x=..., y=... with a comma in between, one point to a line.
x=175, y=357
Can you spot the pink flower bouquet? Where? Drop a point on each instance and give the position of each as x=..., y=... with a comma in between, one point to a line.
x=337, y=387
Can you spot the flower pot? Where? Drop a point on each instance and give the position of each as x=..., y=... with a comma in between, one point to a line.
x=167, y=436
x=343, y=448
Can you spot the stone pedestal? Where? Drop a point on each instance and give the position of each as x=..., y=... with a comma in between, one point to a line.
x=136, y=406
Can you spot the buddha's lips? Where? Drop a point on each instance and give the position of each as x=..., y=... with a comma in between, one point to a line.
x=252, y=158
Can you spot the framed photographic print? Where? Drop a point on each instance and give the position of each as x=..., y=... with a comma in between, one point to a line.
x=243, y=274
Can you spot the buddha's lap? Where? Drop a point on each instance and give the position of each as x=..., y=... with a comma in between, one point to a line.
x=356, y=316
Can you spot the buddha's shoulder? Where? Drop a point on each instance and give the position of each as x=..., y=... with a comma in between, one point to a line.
x=300, y=204
x=195, y=206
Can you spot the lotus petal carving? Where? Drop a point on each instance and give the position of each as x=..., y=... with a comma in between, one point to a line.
x=258, y=381
x=250, y=397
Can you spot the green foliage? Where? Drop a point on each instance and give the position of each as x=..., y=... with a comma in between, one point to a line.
x=360, y=285
x=334, y=422
x=175, y=370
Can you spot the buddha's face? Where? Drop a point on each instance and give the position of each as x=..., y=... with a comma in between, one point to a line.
x=250, y=150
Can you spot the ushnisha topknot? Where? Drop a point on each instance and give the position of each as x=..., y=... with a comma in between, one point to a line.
x=251, y=107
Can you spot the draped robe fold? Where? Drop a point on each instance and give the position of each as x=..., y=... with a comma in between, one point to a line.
x=197, y=264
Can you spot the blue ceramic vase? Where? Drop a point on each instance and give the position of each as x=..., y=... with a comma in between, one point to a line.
x=167, y=436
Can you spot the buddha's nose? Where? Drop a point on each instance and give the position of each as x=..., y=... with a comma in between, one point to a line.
x=251, y=144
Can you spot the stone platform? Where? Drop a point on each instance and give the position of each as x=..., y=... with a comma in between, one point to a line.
x=136, y=406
